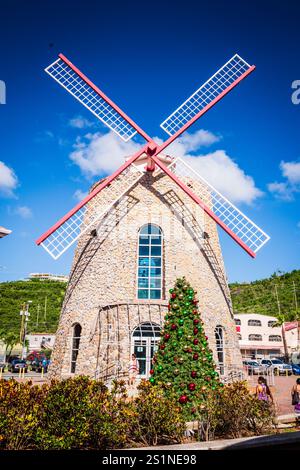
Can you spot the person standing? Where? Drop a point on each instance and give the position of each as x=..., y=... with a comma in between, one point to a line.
x=133, y=370
x=295, y=392
x=263, y=391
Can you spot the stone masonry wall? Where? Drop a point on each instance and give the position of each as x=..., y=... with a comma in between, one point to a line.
x=104, y=272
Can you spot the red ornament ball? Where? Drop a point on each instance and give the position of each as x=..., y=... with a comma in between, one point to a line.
x=196, y=331
x=162, y=346
x=173, y=326
x=196, y=321
x=183, y=399
x=151, y=371
x=195, y=356
x=196, y=341
x=194, y=374
x=192, y=386
x=167, y=336
x=173, y=295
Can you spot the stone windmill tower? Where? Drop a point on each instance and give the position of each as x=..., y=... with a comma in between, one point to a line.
x=153, y=220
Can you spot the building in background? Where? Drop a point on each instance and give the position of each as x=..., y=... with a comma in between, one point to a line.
x=49, y=277
x=258, y=337
x=292, y=337
x=38, y=341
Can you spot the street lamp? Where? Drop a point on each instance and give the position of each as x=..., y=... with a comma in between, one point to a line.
x=24, y=313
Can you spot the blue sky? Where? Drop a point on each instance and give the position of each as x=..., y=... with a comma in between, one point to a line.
x=148, y=57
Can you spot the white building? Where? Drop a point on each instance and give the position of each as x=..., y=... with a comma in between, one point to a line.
x=38, y=341
x=292, y=336
x=258, y=338
x=49, y=277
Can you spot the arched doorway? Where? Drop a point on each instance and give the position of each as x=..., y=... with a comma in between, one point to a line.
x=144, y=343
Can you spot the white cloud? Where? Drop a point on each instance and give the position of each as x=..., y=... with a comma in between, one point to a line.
x=286, y=190
x=200, y=138
x=98, y=154
x=79, y=122
x=226, y=176
x=281, y=191
x=8, y=180
x=79, y=194
x=24, y=212
x=291, y=171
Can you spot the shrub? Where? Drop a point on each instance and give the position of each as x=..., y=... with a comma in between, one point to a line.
x=234, y=412
x=159, y=418
x=20, y=407
x=66, y=413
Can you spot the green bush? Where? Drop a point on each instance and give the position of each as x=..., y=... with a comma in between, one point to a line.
x=20, y=408
x=81, y=413
x=234, y=412
x=159, y=418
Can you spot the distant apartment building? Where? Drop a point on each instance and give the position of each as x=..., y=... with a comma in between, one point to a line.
x=258, y=337
x=49, y=277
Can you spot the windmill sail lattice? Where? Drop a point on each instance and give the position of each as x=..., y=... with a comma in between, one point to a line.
x=246, y=230
x=211, y=89
x=92, y=98
x=92, y=209
x=87, y=216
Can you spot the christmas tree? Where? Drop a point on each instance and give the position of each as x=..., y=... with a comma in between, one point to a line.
x=183, y=364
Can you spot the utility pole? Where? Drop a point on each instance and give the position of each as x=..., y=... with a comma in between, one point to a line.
x=37, y=316
x=25, y=318
x=45, y=311
x=295, y=296
x=277, y=298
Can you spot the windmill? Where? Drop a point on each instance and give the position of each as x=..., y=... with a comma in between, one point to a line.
x=91, y=212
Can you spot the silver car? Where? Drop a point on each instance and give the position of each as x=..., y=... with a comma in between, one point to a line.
x=279, y=367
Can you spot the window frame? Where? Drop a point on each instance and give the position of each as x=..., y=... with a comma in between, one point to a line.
x=74, y=361
x=150, y=267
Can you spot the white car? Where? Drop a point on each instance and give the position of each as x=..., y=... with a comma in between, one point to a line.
x=278, y=366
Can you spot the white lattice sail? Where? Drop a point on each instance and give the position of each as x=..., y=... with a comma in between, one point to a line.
x=211, y=89
x=90, y=98
x=90, y=214
x=242, y=227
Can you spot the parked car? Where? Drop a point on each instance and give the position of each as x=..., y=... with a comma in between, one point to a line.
x=253, y=367
x=296, y=369
x=16, y=365
x=279, y=367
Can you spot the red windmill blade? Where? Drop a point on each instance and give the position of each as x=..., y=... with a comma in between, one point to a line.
x=90, y=211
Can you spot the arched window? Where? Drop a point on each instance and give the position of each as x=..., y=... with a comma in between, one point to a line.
x=237, y=321
x=145, y=338
x=275, y=338
x=149, y=279
x=239, y=336
x=255, y=337
x=271, y=323
x=75, y=346
x=219, y=334
x=254, y=323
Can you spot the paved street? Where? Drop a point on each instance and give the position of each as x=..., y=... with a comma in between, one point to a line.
x=36, y=377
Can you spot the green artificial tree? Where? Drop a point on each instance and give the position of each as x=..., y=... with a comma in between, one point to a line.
x=183, y=364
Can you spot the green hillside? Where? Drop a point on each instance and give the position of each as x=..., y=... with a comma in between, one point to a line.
x=47, y=296
x=280, y=292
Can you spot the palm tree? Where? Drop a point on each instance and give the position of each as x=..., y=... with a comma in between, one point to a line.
x=281, y=319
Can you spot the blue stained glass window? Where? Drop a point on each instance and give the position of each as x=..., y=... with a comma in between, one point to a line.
x=150, y=255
